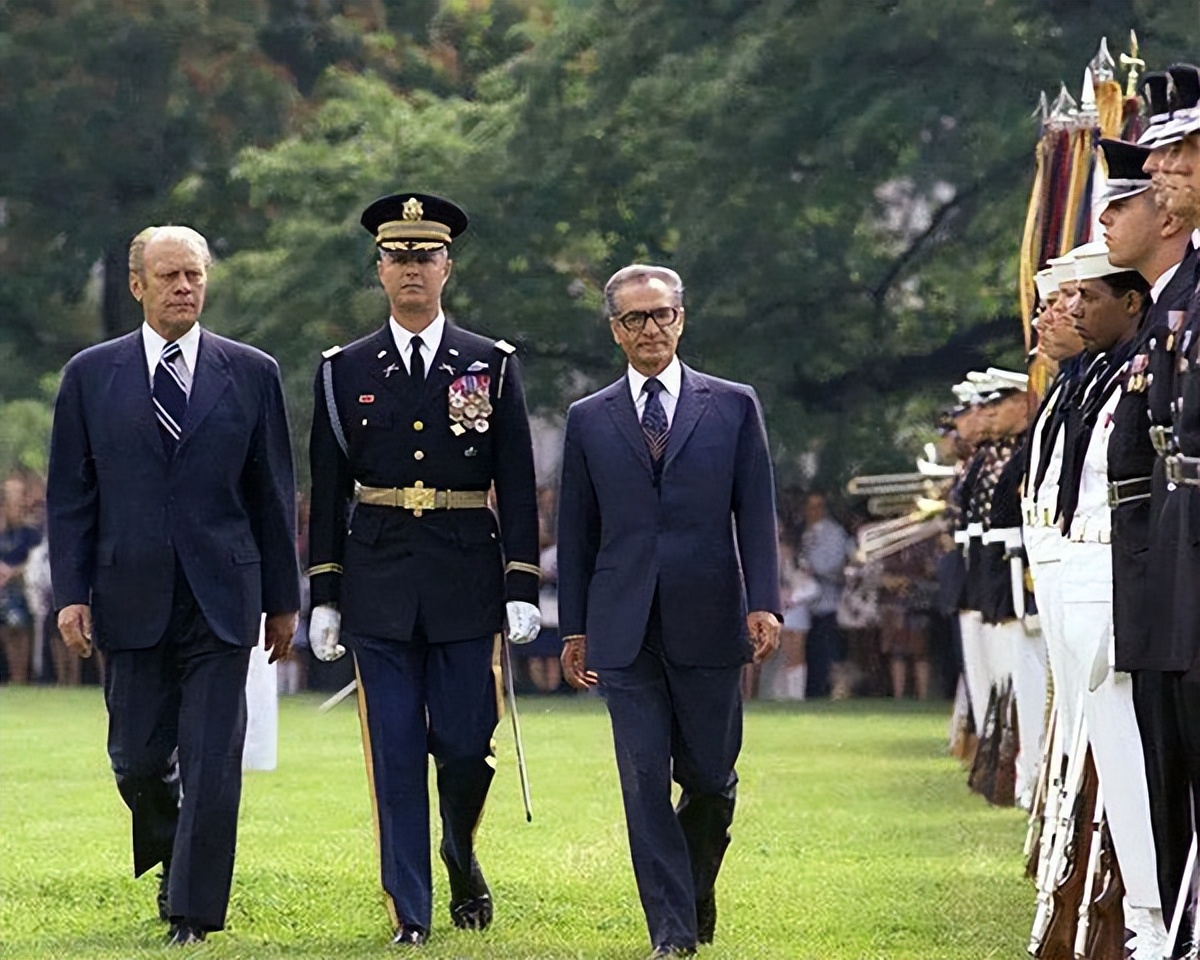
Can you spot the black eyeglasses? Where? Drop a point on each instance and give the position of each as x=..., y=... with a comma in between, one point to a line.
x=635, y=320
x=419, y=257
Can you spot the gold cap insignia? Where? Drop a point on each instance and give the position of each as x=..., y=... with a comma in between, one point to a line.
x=413, y=210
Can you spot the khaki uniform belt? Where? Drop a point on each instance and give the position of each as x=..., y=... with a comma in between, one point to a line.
x=1125, y=491
x=420, y=498
x=1182, y=469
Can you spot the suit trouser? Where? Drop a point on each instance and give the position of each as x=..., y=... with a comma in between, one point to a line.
x=177, y=724
x=416, y=699
x=683, y=723
x=1111, y=722
x=1168, y=712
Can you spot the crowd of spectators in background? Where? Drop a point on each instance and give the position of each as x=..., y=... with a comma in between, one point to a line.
x=848, y=630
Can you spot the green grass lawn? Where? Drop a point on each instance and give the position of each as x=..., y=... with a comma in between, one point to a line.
x=855, y=837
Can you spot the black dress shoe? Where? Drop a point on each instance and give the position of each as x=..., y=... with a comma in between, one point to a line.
x=706, y=917
x=473, y=914
x=470, y=898
x=164, y=880
x=670, y=950
x=410, y=935
x=185, y=935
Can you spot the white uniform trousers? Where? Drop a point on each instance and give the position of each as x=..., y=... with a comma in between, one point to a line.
x=975, y=664
x=1042, y=546
x=1026, y=664
x=1108, y=711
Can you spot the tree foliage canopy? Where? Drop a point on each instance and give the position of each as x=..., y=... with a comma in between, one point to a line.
x=841, y=186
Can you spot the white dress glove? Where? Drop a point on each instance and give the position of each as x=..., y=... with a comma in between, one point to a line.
x=323, y=628
x=524, y=621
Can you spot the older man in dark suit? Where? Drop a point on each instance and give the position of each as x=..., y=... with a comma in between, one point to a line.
x=666, y=538
x=171, y=508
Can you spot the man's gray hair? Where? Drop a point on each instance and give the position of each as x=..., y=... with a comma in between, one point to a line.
x=191, y=238
x=641, y=273
x=137, y=251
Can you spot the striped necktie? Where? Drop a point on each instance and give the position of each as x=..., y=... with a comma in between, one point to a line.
x=654, y=424
x=172, y=383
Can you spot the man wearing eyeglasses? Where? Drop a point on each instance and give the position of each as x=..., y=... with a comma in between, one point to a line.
x=413, y=425
x=668, y=584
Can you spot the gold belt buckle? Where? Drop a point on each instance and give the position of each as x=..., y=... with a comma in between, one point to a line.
x=418, y=499
x=1173, y=471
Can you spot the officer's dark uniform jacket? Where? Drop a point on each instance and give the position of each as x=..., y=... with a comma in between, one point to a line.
x=1183, y=501
x=386, y=566
x=977, y=488
x=1103, y=377
x=1137, y=469
x=996, y=595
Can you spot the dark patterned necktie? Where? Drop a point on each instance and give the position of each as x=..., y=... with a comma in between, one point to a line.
x=654, y=424
x=416, y=363
x=170, y=393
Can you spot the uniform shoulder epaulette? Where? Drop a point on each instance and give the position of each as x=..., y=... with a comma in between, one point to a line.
x=505, y=347
x=331, y=352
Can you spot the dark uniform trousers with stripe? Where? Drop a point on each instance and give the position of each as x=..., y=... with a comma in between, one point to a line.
x=422, y=591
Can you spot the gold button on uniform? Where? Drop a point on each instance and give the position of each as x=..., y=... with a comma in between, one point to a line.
x=419, y=455
x=418, y=425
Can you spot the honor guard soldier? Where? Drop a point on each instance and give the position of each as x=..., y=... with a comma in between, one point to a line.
x=1060, y=346
x=1015, y=642
x=966, y=504
x=413, y=425
x=1112, y=304
x=1175, y=764
x=1150, y=238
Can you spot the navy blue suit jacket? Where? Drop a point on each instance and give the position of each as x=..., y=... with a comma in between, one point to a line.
x=120, y=509
x=704, y=537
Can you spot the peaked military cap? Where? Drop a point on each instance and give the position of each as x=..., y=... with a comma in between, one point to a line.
x=1155, y=89
x=414, y=221
x=1125, y=175
x=1184, y=97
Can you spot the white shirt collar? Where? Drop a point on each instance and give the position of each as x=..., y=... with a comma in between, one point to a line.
x=1161, y=283
x=153, y=344
x=431, y=338
x=671, y=379
x=1196, y=239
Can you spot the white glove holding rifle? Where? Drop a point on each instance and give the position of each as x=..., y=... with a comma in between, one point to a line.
x=324, y=627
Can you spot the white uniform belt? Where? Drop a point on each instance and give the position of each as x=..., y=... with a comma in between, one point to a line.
x=1126, y=491
x=974, y=530
x=1095, y=531
x=961, y=537
x=1009, y=536
x=1181, y=469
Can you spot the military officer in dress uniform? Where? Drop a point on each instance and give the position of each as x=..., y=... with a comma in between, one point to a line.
x=1112, y=304
x=1174, y=163
x=1147, y=237
x=412, y=426
x=1013, y=636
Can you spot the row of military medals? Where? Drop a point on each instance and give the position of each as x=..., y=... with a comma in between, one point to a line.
x=470, y=405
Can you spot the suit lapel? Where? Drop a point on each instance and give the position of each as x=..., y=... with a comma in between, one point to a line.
x=618, y=401
x=693, y=401
x=130, y=390
x=209, y=381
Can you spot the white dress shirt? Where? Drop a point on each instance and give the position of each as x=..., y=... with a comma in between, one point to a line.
x=431, y=339
x=671, y=379
x=1161, y=283
x=189, y=347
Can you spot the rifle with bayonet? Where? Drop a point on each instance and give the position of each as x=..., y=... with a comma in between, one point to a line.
x=1044, y=808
